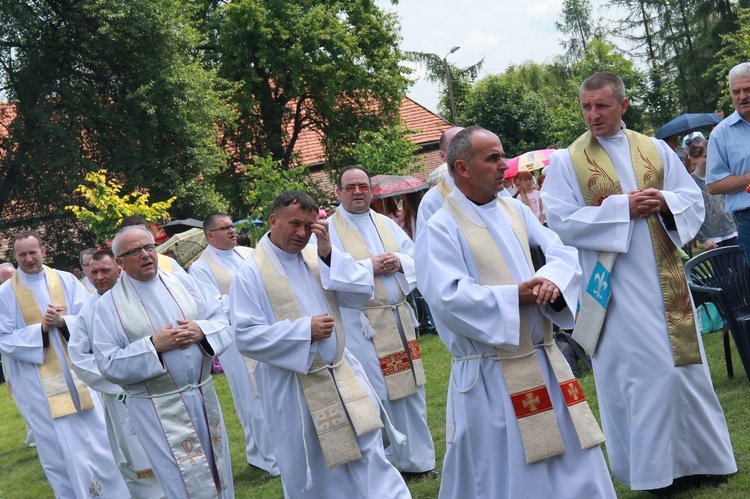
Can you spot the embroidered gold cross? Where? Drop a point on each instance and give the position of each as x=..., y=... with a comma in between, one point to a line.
x=328, y=418
x=573, y=391
x=530, y=402
x=189, y=444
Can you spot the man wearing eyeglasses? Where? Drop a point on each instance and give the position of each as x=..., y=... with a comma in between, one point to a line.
x=155, y=333
x=131, y=458
x=379, y=330
x=38, y=309
x=215, y=270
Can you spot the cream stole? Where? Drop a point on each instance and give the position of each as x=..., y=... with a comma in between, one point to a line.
x=523, y=375
x=56, y=390
x=443, y=187
x=598, y=179
x=223, y=277
x=402, y=370
x=164, y=393
x=340, y=407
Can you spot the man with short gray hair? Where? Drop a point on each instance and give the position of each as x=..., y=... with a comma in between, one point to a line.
x=84, y=260
x=728, y=160
x=155, y=334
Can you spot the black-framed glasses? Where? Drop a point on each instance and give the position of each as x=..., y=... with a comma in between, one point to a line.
x=137, y=251
x=351, y=189
x=226, y=228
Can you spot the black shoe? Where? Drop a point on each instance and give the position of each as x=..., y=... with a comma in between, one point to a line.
x=422, y=475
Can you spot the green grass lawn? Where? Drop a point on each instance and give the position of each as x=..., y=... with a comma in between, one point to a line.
x=22, y=475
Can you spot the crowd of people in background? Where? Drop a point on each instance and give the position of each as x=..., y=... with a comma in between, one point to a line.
x=110, y=363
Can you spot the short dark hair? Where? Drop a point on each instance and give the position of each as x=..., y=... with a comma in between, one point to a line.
x=102, y=254
x=210, y=221
x=460, y=147
x=24, y=234
x=349, y=168
x=287, y=198
x=133, y=220
x=597, y=81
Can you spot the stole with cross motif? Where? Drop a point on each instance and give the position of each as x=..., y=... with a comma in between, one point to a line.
x=528, y=391
x=339, y=405
x=179, y=428
x=402, y=367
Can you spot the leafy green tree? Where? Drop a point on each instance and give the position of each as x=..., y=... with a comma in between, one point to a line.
x=106, y=84
x=109, y=208
x=461, y=80
x=577, y=24
x=735, y=50
x=330, y=67
x=509, y=109
x=385, y=152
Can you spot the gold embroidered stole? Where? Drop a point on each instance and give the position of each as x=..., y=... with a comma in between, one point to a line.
x=56, y=390
x=340, y=407
x=165, y=263
x=598, y=179
x=395, y=342
x=523, y=375
x=173, y=416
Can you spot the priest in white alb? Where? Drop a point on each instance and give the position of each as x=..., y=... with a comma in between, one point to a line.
x=517, y=422
x=321, y=412
x=627, y=202
x=103, y=272
x=154, y=335
x=215, y=270
x=38, y=308
x=380, y=331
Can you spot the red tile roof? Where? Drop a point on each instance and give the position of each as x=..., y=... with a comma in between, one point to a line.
x=429, y=126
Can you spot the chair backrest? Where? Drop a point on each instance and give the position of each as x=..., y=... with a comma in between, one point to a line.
x=722, y=268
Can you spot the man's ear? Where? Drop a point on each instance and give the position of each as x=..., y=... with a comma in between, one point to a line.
x=462, y=168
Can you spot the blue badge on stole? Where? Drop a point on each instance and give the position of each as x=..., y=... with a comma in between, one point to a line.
x=598, y=286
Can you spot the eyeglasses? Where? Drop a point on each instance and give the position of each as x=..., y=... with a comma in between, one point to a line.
x=351, y=189
x=137, y=251
x=226, y=228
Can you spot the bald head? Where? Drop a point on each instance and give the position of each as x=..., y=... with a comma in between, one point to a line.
x=6, y=271
x=445, y=140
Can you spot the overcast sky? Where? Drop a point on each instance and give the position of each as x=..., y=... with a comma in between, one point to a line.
x=503, y=32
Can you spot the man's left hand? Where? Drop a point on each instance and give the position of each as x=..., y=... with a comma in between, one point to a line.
x=650, y=202
x=320, y=229
x=53, y=318
x=187, y=332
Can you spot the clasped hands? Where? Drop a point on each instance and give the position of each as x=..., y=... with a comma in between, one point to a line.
x=181, y=336
x=646, y=202
x=385, y=264
x=537, y=290
x=52, y=318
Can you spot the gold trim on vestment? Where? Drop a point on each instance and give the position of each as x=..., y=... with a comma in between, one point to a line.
x=527, y=389
x=56, y=389
x=402, y=372
x=340, y=407
x=598, y=179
